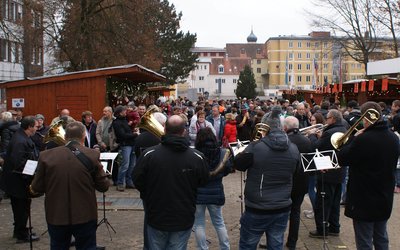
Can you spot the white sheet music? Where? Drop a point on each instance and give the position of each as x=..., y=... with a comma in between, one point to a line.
x=108, y=156
x=105, y=164
x=30, y=167
x=309, y=160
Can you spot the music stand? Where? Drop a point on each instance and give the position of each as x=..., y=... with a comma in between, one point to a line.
x=320, y=161
x=106, y=159
x=29, y=169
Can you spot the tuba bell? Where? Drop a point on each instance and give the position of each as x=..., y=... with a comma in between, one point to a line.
x=149, y=123
x=56, y=134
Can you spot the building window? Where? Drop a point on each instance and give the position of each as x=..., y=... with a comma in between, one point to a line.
x=316, y=55
x=290, y=66
x=242, y=51
x=290, y=55
x=325, y=45
x=13, y=52
x=213, y=54
x=325, y=66
x=258, y=70
x=298, y=44
x=299, y=78
x=325, y=79
x=258, y=51
x=308, y=55
x=4, y=50
x=308, y=78
x=325, y=55
x=299, y=66
x=308, y=66
x=205, y=66
x=299, y=55
x=258, y=61
x=4, y=9
x=359, y=66
x=201, y=90
x=221, y=69
x=308, y=44
x=316, y=44
x=290, y=44
x=201, y=78
x=290, y=78
x=234, y=80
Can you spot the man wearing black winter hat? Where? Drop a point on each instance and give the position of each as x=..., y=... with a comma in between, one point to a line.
x=270, y=164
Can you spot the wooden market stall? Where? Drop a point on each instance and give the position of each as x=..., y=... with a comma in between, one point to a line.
x=76, y=91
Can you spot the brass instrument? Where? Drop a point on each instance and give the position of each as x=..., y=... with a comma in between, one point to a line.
x=313, y=129
x=149, y=123
x=260, y=130
x=338, y=139
x=56, y=134
x=222, y=163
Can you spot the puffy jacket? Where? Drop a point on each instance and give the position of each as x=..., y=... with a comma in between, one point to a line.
x=270, y=163
x=230, y=132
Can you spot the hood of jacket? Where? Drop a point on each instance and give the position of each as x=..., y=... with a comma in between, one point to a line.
x=176, y=143
x=276, y=140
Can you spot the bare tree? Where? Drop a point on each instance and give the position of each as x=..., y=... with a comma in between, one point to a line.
x=352, y=23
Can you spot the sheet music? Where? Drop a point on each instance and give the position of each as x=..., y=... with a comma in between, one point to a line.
x=108, y=156
x=105, y=165
x=30, y=167
x=313, y=161
x=323, y=162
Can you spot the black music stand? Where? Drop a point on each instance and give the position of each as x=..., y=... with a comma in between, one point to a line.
x=319, y=161
x=108, y=169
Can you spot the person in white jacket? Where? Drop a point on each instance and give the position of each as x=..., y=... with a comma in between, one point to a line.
x=199, y=124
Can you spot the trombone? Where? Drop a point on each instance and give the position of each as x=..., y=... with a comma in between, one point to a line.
x=338, y=139
x=313, y=129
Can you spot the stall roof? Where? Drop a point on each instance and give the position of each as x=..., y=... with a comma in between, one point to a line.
x=133, y=72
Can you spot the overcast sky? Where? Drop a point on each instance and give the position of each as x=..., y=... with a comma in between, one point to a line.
x=218, y=22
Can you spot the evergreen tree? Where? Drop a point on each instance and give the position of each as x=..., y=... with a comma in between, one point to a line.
x=247, y=84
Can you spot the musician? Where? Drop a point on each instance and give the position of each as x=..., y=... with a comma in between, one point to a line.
x=331, y=185
x=300, y=179
x=14, y=183
x=211, y=196
x=372, y=158
x=147, y=139
x=270, y=163
x=70, y=185
x=167, y=176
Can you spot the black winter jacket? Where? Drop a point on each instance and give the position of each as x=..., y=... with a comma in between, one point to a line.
x=123, y=132
x=270, y=163
x=372, y=159
x=167, y=176
x=300, y=178
x=7, y=131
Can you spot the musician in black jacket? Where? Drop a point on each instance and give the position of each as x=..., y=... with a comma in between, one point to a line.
x=300, y=179
x=331, y=184
x=372, y=158
x=14, y=183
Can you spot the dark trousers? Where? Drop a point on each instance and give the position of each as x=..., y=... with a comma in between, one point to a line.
x=294, y=221
x=21, y=211
x=370, y=235
x=85, y=236
x=331, y=206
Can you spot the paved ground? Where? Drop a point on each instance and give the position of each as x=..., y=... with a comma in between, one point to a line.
x=124, y=212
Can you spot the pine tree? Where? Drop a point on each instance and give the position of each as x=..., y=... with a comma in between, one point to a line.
x=247, y=84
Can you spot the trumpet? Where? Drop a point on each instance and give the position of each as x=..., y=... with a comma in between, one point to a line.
x=313, y=129
x=338, y=139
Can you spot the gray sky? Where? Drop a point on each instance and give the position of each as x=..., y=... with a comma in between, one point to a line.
x=218, y=22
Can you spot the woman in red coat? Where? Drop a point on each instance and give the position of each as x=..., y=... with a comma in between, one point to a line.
x=230, y=131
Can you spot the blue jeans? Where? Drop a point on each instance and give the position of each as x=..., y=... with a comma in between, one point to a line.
x=311, y=190
x=162, y=240
x=371, y=234
x=215, y=212
x=253, y=226
x=127, y=164
x=344, y=183
x=397, y=177
x=85, y=236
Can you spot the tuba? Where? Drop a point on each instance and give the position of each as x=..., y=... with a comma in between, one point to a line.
x=56, y=134
x=338, y=139
x=149, y=123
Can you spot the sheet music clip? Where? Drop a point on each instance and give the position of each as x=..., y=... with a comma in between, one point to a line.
x=320, y=160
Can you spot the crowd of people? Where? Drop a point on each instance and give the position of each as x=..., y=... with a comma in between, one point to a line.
x=172, y=171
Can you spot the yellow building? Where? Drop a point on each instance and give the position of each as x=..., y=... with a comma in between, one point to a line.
x=304, y=62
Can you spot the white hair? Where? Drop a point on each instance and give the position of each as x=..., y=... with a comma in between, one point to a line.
x=160, y=117
x=291, y=122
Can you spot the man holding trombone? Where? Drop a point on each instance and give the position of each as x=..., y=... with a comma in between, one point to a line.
x=372, y=156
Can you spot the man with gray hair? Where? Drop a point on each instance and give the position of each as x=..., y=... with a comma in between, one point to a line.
x=300, y=179
x=332, y=184
x=270, y=163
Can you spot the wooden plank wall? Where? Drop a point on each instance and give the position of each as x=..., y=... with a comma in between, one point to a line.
x=49, y=99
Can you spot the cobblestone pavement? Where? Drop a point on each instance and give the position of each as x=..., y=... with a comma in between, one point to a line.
x=124, y=213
